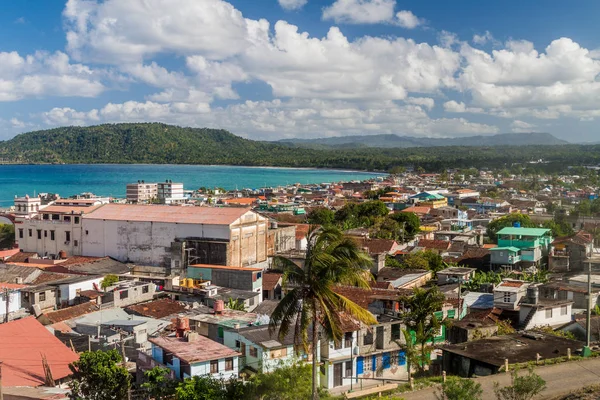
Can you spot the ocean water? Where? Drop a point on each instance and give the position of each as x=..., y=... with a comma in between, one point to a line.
x=110, y=179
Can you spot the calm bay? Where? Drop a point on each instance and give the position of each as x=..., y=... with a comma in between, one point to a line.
x=110, y=179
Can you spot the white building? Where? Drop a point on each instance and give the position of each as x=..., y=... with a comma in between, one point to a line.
x=56, y=228
x=69, y=289
x=141, y=192
x=538, y=312
x=176, y=236
x=14, y=298
x=170, y=193
x=25, y=207
x=508, y=294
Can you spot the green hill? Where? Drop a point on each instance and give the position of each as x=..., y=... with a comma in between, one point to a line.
x=156, y=143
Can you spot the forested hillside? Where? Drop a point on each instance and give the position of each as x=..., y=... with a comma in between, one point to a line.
x=160, y=144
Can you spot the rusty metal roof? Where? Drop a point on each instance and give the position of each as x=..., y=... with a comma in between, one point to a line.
x=200, y=350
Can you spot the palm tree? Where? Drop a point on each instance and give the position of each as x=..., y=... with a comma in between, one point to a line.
x=237, y=304
x=311, y=301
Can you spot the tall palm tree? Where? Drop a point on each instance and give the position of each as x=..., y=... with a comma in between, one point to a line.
x=310, y=301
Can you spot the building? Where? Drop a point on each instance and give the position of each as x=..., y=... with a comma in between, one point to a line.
x=141, y=192
x=170, y=193
x=25, y=342
x=486, y=356
x=522, y=247
x=10, y=292
x=195, y=355
x=455, y=275
x=428, y=199
x=401, y=278
x=508, y=294
x=571, y=253
x=535, y=311
x=173, y=237
x=56, y=232
x=25, y=207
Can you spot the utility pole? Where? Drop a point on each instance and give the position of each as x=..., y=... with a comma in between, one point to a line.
x=7, y=297
x=588, y=318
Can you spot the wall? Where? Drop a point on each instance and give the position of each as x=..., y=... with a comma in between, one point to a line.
x=135, y=295
x=203, y=368
x=539, y=318
x=46, y=245
x=14, y=303
x=68, y=292
x=28, y=299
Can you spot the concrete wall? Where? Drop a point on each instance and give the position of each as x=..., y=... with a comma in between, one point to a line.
x=29, y=299
x=14, y=303
x=69, y=291
x=135, y=294
x=540, y=318
x=30, y=242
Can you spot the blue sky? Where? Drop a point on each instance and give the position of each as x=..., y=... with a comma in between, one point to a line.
x=272, y=69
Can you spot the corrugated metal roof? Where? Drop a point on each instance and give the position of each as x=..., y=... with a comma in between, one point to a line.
x=202, y=349
x=523, y=231
x=172, y=214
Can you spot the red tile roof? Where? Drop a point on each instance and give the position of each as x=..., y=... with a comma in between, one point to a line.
x=515, y=284
x=65, y=314
x=20, y=257
x=158, y=308
x=5, y=285
x=418, y=210
x=270, y=280
x=434, y=244
x=8, y=253
x=203, y=349
x=21, y=348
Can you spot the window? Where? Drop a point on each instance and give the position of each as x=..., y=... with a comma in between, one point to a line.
x=68, y=236
x=75, y=243
x=55, y=217
x=42, y=296
x=67, y=218
x=214, y=367
x=20, y=233
x=253, y=352
x=45, y=233
x=39, y=233
x=368, y=338
x=145, y=289
x=548, y=313
x=563, y=310
x=167, y=357
x=507, y=297
x=51, y=235
x=76, y=220
x=348, y=369
x=368, y=363
x=237, y=344
x=348, y=340
x=396, y=332
x=251, y=302
x=30, y=232
x=394, y=358
x=229, y=364
x=123, y=294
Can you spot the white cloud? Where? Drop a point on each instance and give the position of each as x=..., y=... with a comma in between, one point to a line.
x=483, y=39
x=360, y=11
x=292, y=4
x=426, y=102
x=460, y=107
x=45, y=74
x=408, y=20
x=522, y=126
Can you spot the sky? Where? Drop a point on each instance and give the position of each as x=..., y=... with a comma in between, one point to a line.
x=276, y=69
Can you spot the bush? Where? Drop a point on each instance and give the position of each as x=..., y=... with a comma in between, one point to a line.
x=459, y=389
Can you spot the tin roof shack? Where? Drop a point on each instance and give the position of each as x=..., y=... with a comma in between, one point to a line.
x=195, y=355
x=485, y=356
x=401, y=278
x=455, y=274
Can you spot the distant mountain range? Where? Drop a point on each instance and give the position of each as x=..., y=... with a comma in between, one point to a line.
x=396, y=141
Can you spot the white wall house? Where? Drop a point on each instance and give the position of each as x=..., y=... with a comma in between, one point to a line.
x=68, y=289
x=195, y=356
x=14, y=298
x=545, y=313
x=509, y=293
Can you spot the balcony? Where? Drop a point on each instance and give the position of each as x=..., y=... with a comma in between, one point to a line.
x=49, y=222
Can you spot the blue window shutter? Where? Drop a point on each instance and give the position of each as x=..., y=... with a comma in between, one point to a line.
x=386, y=360
x=402, y=358
x=374, y=363
x=359, y=365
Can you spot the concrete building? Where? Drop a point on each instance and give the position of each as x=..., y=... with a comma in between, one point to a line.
x=571, y=253
x=508, y=294
x=141, y=192
x=12, y=293
x=55, y=232
x=521, y=247
x=170, y=193
x=26, y=206
x=126, y=293
x=173, y=237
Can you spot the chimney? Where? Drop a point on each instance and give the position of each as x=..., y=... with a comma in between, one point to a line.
x=218, y=307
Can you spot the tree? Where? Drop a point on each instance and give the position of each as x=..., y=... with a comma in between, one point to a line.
x=321, y=216
x=285, y=383
x=310, y=301
x=158, y=383
x=201, y=388
x=420, y=318
x=108, y=281
x=524, y=387
x=459, y=389
x=509, y=220
x=97, y=375
x=427, y=259
x=409, y=223
x=237, y=304
x=7, y=236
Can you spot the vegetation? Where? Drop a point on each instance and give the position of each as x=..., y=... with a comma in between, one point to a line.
x=481, y=277
x=98, y=375
x=509, y=220
x=422, y=322
x=7, y=236
x=321, y=216
x=310, y=302
x=426, y=259
x=459, y=389
x=291, y=382
x=158, y=143
x=524, y=387
x=237, y=304
x=108, y=281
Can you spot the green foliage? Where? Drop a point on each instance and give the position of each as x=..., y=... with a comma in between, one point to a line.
x=108, y=281
x=157, y=143
x=409, y=222
x=201, y=388
x=524, y=387
x=285, y=383
x=321, y=216
x=158, y=384
x=310, y=301
x=237, y=304
x=481, y=277
x=459, y=389
x=496, y=225
x=427, y=259
x=548, y=330
x=98, y=376
x=7, y=236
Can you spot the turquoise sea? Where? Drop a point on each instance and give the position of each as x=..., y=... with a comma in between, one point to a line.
x=110, y=179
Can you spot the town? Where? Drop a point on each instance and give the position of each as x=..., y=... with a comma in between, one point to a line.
x=464, y=273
